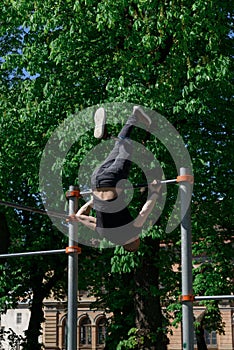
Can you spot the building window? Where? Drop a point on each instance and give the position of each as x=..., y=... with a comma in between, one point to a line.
x=210, y=338
x=18, y=318
x=85, y=331
x=101, y=331
x=64, y=333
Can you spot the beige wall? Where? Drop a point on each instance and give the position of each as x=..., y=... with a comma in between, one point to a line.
x=224, y=342
x=9, y=320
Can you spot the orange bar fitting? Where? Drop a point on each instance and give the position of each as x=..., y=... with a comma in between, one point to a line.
x=73, y=193
x=185, y=178
x=188, y=297
x=73, y=249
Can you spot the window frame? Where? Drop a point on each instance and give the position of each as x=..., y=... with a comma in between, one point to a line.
x=85, y=332
x=101, y=331
x=19, y=318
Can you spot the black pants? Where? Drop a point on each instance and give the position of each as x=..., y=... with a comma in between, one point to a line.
x=117, y=165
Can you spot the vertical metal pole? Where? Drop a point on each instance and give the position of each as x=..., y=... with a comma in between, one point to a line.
x=72, y=273
x=186, y=261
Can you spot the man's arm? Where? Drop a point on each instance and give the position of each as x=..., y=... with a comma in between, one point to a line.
x=88, y=221
x=83, y=216
x=85, y=209
x=149, y=205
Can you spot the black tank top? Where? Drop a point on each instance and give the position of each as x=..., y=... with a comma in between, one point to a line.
x=114, y=220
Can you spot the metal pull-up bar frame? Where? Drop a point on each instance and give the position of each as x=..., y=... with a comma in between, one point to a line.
x=185, y=182
x=72, y=195
x=186, y=260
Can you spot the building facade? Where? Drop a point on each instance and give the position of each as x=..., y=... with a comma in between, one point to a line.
x=91, y=327
x=13, y=324
x=213, y=340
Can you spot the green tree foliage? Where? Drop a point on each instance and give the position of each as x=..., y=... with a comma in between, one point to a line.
x=176, y=57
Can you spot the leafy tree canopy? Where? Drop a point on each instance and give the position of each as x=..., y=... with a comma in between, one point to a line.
x=176, y=57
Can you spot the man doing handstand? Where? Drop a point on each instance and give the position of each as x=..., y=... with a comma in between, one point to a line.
x=113, y=219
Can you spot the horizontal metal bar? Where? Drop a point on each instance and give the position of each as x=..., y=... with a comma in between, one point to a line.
x=159, y=182
x=83, y=193
x=89, y=191
x=63, y=215
x=214, y=297
x=42, y=252
x=172, y=181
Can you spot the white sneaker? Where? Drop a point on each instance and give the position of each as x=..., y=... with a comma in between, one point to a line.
x=100, y=123
x=142, y=116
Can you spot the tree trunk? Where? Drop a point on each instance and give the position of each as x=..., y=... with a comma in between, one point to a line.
x=37, y=317
x=149, y=318
x=4, y=234
x=201, y=344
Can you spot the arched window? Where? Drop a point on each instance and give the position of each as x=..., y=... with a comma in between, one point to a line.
x=101, y=331
x=85, y=331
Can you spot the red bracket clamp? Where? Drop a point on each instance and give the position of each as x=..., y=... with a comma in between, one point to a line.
x=73, y=249
x=188, y=297
x=185, y=178
x=73, y=193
